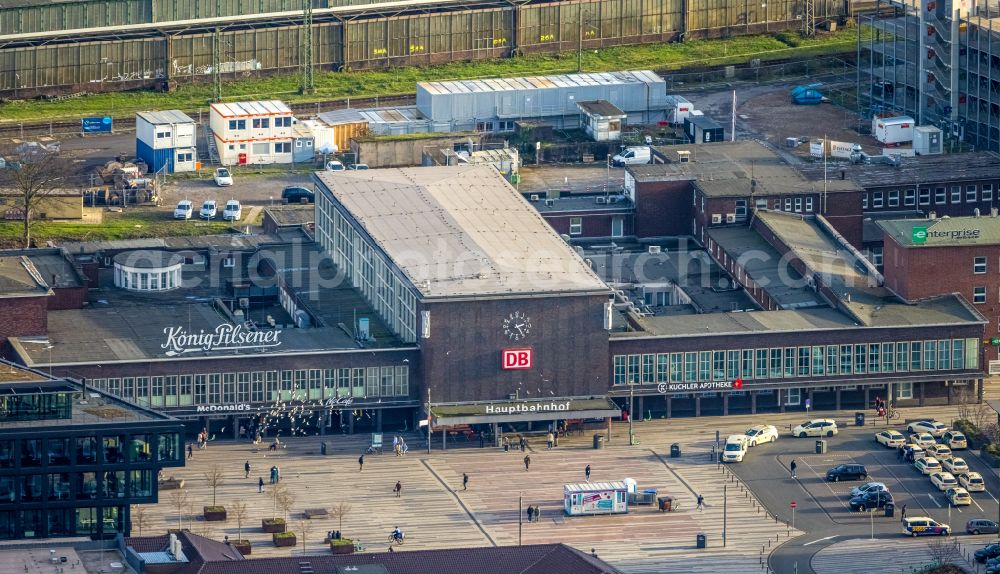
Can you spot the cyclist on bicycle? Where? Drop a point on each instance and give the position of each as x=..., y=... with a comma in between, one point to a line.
x=397, y=534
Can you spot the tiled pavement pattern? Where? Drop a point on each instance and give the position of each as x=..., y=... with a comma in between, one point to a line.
x=903, y=556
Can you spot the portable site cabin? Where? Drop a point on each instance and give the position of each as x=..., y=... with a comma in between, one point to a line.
x=596, y=498
x=703, y=129
x=166, y=140
x=678, y=109
x=602, y=120
x=253, y=132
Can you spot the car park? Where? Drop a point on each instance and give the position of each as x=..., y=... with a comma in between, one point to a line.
x=233, y=211
x=928, y=465
x=932, y=428
x=816, y=427
x=297, y=194
x=958, y=496
x=184, y=209
x=847, y=472
x=943, y=480
x=955, y=440
x=869, y=487
x=869, y=500
x=972, y=481
x=939, y=451
x=983, y=526
x=890, y=438
x=760, y=434
x=925, y=440
x=913, y=452
x=955, y=465
x=735, y=449
x=924, y=526
x=223, y=177
x=209, y=209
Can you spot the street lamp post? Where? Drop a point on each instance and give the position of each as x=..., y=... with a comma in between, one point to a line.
x=631, y=415
x=519, y=498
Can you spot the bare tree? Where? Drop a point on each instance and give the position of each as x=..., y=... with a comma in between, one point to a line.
x=33, y=174
x=972, y=409
x=285, y=502
x=991, y=432
x=238, y=510
x=339, y=511
x=179, y=499
x=944, y=551
x=278, y=493
x=215, y=479
x=140, y=518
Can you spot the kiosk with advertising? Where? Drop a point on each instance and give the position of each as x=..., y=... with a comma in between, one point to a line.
x=596, y=498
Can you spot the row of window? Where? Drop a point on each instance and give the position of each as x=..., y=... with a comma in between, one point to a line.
x=69, y=486
x=784, y=362
x=263, y=148
x=60, y=522
x=796, y=204
x=617, y=226
x=941, y=196
x=89, y=450
x=793, y=397
x=261, y=123
x=142, y=281
x=260, y=386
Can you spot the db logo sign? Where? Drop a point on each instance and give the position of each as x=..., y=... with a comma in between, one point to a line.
x=515, y=359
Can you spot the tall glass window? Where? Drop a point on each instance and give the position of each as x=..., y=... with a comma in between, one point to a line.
x=690, y=367
x=902, y=356
x=944, y=354
x=819, y=360
x=648, y=369
x=916, y=356
x=957, y=352
x=732, y=365
x=718, y=365
x=874, y=358
x=662, y=368
x=705, y=366
x=860, y=359
x=676, y=367
x=619, y=369
x=804, y=361
x=761, y=371
x=846, y=362
x=790, y=356
x=747, y=364
x=930, y=355
x=832, y=359
x=776, y=371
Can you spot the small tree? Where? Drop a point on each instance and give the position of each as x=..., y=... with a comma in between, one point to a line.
x=304, y=526
x=215, y=479
x=278, y=492
x=34, y=173
x=179, y=499
x=239, y=512
x=339, y=511
x=972, y=409
x=285, y=501
x=992, y=432
x=139, y=517
x=944, y=552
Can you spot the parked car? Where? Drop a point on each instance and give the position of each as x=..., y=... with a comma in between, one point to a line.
x=736, y=448
x=847, y=472
x=209, y=209
x=297, y=194
x=759, y=434
x=925, y=440
x=334, y=165
x=890, y=438
x=955, y=465
x=223, y=177
x=913, y=452
x=184, y=209
x=939, y=451
x=869, y=500
x=933, y=428
x=923, y=526
x=943, y=480
x=955, y=440
x=233, y=211
x=972, y=481
x=928, y=465
x=816, y=427
x=358, y=166
x=869, y=487
x=983, y=526
x=958, y=496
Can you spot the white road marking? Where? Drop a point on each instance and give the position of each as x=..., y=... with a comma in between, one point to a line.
x=977, y=505
x=930, y=496
x=993, y=497
x=820, y=540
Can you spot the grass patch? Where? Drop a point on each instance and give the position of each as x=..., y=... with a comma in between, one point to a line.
x=131, y=224
x=341, y=85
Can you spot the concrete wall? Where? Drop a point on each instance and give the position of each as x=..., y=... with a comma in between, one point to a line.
x=406, y=152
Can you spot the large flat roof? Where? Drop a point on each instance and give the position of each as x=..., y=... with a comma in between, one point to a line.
x=20, y=278
x=460, y=231
x=540, y=82
x=944, y=232
x=918, y=170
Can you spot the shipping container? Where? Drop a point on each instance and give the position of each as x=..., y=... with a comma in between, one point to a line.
x=927, y=140
x=893, y=130
x=38, y=16
x=703, y=129
x=563, y=26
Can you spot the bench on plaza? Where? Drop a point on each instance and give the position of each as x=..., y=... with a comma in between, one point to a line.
x=171, y=483
x=311, y=513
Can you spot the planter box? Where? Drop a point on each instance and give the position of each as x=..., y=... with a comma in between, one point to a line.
x=344, y=548
x=284, y=541
x=272, y=526
x=215, y=513
x=242, y=546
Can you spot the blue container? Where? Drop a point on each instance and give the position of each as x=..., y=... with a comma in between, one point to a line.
x=155, y=158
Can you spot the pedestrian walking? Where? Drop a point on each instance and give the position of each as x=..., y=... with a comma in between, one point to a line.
x=549, y=439
x=190, y=451
x=277, y=474
x=792, y=467
x=701, y=503
x=482, y=440
x=398, y=489
x=465, y=481
x=395, y=446
x=246, y=469
x=527, y=462
x=506, y=444
x=274, y=474
x=538, y=513
x=260, y=484
x=531, y=513
x=902, y=513
x=586, y=472
x=361, y=463
x=524, y=444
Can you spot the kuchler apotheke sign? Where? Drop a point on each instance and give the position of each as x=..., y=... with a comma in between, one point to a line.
x=226, y=337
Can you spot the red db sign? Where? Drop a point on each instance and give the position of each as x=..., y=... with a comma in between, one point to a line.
x=515, y=359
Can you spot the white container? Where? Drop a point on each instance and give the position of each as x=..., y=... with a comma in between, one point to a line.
x=678, y=108
x=927, y=140
x=895, y=130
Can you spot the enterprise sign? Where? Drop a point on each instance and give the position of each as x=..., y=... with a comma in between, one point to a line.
x=226, y=337
x=922, y=234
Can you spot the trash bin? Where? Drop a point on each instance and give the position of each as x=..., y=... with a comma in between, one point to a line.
x=859, y=419
x=675, y=450
x=665, y=503
x=322, y=448
x=821, y=447
x=890, y=509
x=702, y=540
x=598, y=441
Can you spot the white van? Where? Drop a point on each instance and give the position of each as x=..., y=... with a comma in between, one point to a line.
x=736, y=447
x=631, y=156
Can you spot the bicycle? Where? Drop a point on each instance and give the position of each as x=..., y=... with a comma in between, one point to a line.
x=892, y=414
x=393, y=539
